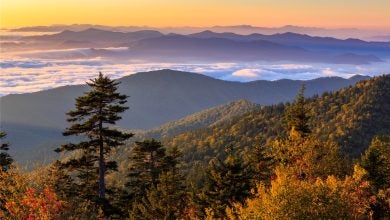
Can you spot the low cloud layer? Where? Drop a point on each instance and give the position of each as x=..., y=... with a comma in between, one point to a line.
x=21, y=75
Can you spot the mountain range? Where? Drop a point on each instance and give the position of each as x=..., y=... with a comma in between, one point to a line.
x=307, y=42
x=34, y=120
x=343, y=33
x=204, y=46
x=97, y=35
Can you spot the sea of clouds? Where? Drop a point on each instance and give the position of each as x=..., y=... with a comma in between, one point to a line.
x=22, y=75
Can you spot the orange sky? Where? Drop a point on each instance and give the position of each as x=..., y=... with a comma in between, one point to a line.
x=324, y=13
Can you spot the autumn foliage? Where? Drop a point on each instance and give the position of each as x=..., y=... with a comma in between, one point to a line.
x=291, y=198
x=21, y=201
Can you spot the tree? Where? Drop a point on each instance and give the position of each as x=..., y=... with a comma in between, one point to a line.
x=62, y=183
x=309, y=157
x=96, y=111
x=301, y=151
x=297, y=114
x=229, y=182
x=5, y=159
x=166, y=200
x=147, y=159
x=291, y=198
x=376, y=160
x=77, y=206
x=43, y=205
x=262, y=163
x=12, y=187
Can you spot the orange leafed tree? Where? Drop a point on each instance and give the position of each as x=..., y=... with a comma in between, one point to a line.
x=36, y=205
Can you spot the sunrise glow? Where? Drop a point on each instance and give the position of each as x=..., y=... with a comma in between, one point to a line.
x=330, y=13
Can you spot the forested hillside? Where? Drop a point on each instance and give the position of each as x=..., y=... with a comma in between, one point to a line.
x=200, y=120
x=206, y=118
x=349, y=117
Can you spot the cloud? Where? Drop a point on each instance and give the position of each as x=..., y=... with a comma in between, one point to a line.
x=21, y=75
x=247, y=73
x=291, y=68
x=329, y=72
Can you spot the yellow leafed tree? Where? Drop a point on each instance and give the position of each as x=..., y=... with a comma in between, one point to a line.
x=291, y=198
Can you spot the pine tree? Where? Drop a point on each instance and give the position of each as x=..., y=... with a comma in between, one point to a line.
x=96, y=111
x=262, y=163
x=166, y=199
x=147, y=159
x=376, y=161
x=229, y=181
x=297, y=115
x=62, y=182
x=5, y=159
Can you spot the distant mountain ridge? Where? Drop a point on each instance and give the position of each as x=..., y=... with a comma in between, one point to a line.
x=239, y=29
x=177, y=47
x=211, y=46
x=98, y=35
x=307, y=42
x=36, y=119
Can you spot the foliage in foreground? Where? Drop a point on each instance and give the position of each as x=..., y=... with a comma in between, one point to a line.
x=288, y=197
x=21, y=201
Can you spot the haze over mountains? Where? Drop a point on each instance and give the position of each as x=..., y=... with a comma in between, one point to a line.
x=367, y=34
x=96, y=35
x=306, y=41
x=37, y=119
x=204, y=46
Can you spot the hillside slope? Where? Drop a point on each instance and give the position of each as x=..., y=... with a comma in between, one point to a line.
x=350, y=117
x=205, y=118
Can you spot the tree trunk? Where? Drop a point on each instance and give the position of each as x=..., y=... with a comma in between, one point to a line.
x=102, y=165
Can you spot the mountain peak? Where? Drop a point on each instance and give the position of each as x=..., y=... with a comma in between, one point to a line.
x=207, y=32
x=92, y=30
x=66, y=32
x=169, y=73
x=359, y=77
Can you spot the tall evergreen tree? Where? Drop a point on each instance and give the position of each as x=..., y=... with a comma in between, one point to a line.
x=376, y=161
x=166, y=199
x=96, y=111
x=262, y=163
x=229, y=181
x=147, y=158
x=297, y=115
x=5, y=159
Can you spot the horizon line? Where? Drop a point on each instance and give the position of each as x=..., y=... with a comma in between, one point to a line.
x=209, y=26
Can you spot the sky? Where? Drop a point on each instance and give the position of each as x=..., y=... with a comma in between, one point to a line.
x=163, y=13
